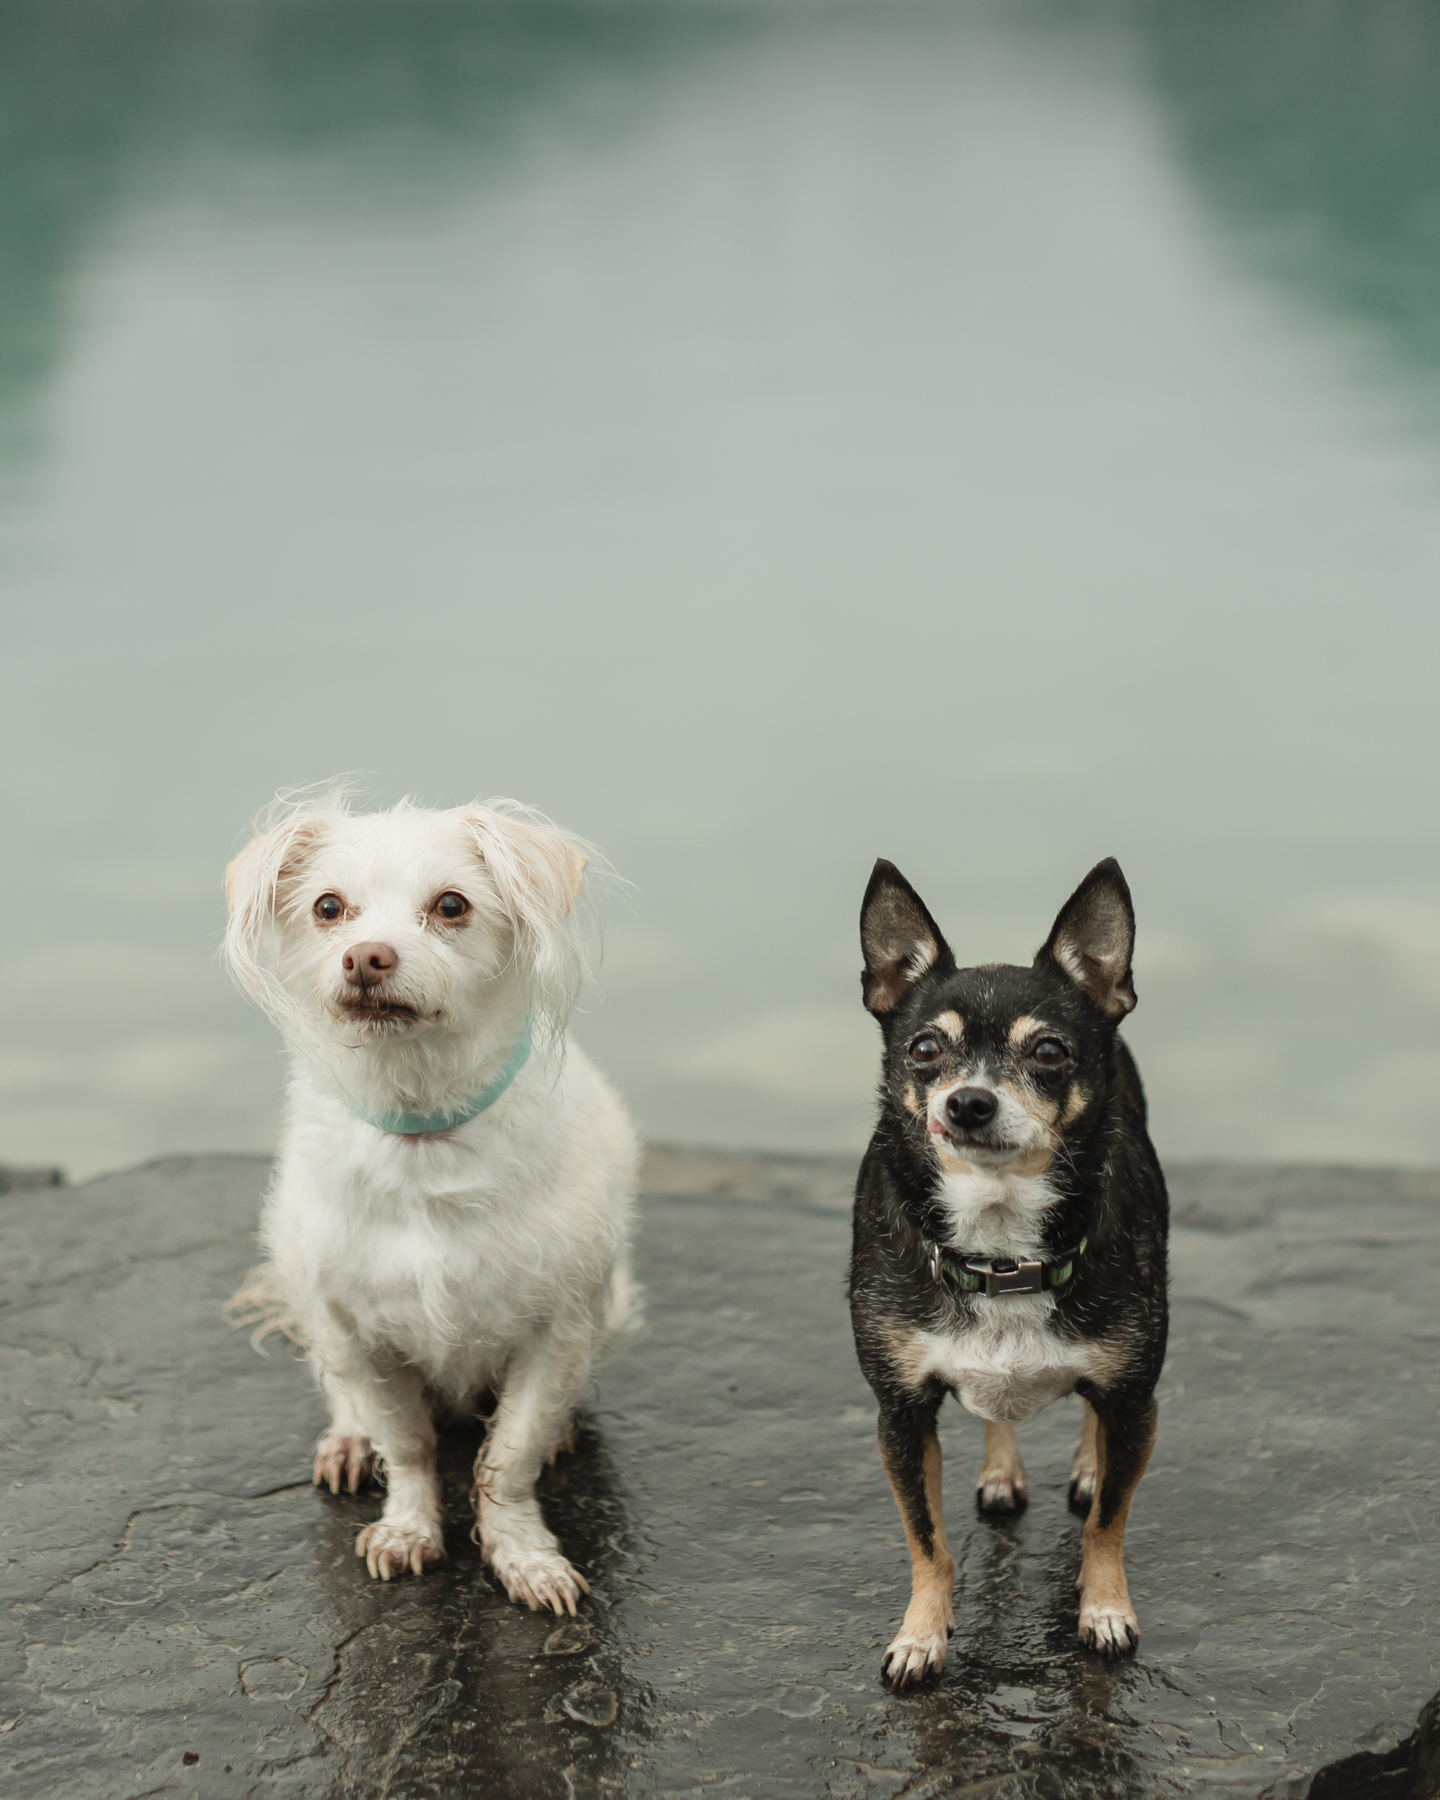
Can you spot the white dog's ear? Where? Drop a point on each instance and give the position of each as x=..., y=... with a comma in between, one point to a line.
x=255, y=883
x=254, y=878
x=551, y=864
x=536, y=871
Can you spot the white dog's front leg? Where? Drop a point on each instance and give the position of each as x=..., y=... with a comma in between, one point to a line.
x=387, y=1407
x=541, y=1388
x=344, y=1456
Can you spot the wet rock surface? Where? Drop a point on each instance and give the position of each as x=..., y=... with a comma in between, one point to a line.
x=185, y=1614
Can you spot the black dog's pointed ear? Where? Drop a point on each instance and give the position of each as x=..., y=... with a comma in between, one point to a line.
x=1094, y=937
x=900, y=939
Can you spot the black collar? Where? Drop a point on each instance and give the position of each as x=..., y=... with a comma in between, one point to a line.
x=998, y=1275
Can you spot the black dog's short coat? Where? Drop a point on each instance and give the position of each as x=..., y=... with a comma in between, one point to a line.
x=1010, y=1231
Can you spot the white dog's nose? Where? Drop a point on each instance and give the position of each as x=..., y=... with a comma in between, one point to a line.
x=365, y=965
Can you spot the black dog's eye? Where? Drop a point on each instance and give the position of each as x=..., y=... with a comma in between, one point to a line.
x=1050, y=1053
x=328, y=908
x=452, y=906
x=925, y=1049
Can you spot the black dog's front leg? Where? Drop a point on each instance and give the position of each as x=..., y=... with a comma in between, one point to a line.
x=1124, y=1438
x=910, y=1451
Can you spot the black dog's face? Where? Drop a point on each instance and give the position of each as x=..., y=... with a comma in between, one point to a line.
x=996, y=1065
x=994, y=1068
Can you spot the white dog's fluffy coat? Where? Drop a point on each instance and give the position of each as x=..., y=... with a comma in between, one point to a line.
x=426, y=1269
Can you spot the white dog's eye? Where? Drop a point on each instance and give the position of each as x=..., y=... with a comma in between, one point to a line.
x=328, y=908
x=452, y=906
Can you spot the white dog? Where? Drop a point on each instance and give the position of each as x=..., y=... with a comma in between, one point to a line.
x=452, y=1202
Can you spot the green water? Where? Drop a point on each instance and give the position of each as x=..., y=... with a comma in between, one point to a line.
x=764, y=437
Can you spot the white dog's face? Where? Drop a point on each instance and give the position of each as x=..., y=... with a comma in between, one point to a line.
x=390, y=924
x=393, y=924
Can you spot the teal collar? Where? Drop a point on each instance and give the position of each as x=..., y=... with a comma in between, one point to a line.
x=410, y=1124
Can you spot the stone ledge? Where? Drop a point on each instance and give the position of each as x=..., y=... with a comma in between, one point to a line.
x=185, y=1614
x=758, y=1175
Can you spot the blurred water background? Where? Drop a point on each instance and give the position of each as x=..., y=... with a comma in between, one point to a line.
x=763, y=436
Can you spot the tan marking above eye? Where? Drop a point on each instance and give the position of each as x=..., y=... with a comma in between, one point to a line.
x=950, y=1023
x=1025, y=1027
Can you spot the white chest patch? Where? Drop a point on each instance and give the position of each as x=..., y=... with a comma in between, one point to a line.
x=995, y=1214
x=1011, y=1362
x=1008, y=1365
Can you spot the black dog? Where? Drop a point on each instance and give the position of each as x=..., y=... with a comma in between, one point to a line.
x=1010, y=1225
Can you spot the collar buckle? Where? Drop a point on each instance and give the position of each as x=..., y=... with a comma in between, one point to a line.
x=999, y=1275
x=1005, y=1276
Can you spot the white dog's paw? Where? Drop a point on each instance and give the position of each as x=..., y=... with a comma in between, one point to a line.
x=1112, y=1630
x=911, y=1658
x=342, y=1461
x=409, y=1540
x=538, y=1577
x=1082, y=1486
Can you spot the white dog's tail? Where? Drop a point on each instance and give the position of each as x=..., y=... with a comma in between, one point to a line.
x=624, y=1315
x=261, y=1304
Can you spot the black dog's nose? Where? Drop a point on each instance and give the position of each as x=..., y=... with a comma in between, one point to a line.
x=968, y=1109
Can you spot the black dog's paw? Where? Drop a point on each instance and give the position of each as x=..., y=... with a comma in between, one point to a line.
x=1111, y=1631
x=911, y=1660
x=1000, y=1496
